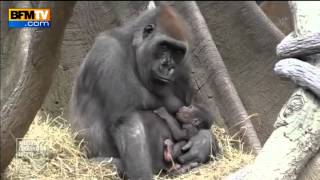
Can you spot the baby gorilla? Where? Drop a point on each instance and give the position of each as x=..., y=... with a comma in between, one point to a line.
x=188, y=122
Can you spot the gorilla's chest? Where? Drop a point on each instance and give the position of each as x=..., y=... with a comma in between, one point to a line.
x=151, y=101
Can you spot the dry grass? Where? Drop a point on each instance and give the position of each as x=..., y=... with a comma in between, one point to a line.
x=59, y=156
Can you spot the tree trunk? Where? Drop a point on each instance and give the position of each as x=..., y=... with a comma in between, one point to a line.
x=312, y=169
x=298, y=123
x=246, y=40
x=36, y=51
x=212, y=78
x=9, y=60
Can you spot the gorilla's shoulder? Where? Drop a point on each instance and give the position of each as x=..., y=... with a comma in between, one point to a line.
x=118, y=33
x=106, y=42
x=105, y=37
x=116, y=39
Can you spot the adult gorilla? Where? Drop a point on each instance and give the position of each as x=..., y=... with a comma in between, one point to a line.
x=138, y=67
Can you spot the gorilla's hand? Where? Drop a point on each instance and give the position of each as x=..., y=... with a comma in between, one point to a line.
x=199, y=148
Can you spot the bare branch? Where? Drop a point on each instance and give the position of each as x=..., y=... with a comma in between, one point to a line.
x=299, y=46
x=301, y=73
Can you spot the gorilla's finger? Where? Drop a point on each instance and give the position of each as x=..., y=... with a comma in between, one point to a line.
x=187, y=146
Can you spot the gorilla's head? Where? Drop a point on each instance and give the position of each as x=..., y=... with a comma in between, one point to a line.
x=196, y=115
x=161, y=46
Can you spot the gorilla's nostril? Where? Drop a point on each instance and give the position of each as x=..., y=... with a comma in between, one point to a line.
x=164, y=61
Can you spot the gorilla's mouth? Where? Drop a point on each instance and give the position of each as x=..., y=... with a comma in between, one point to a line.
x=163, y=74
x=162, y=79
x=164, y=68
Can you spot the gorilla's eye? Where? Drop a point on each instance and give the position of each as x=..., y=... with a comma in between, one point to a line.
x=148, y=30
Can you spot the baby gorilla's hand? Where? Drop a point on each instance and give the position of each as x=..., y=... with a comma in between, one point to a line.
x=161, y=112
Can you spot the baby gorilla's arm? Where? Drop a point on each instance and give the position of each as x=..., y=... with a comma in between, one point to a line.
x=177, y=132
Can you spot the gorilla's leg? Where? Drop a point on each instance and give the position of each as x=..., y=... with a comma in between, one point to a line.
x=131, y=141
x=98, y=142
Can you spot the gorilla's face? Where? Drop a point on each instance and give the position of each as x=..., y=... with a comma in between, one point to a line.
x=167, y=55
x=158, y=55
x=187, y=114
x=195, y=115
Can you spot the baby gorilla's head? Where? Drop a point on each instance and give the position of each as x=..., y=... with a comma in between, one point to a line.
x=195, y=115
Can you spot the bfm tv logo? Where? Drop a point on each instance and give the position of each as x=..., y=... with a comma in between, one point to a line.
x=27, y=17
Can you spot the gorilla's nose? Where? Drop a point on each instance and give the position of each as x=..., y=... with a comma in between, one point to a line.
x=167, y=61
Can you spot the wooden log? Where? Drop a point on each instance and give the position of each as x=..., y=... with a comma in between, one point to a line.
x=293, y=143
x=299, y=46
x=312, y=169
